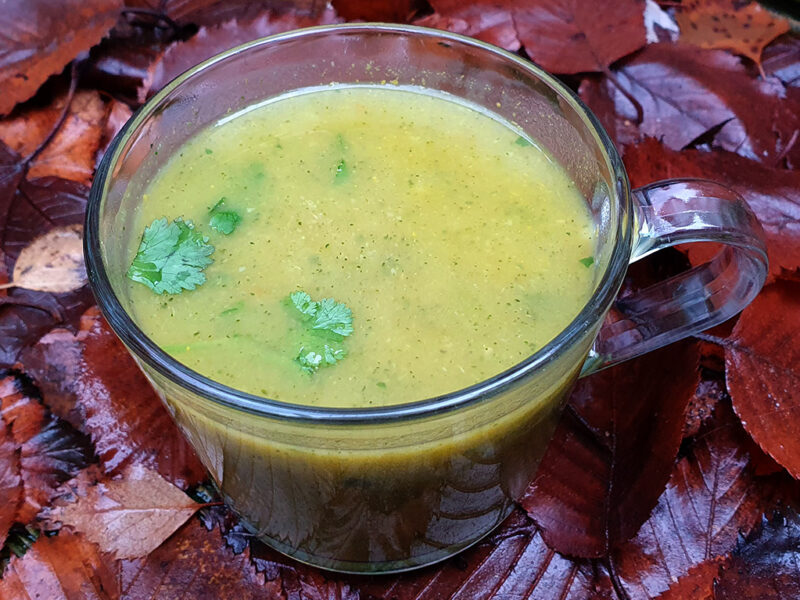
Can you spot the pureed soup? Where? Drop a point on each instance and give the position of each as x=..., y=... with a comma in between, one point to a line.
x=457, y=246
x=371, y=245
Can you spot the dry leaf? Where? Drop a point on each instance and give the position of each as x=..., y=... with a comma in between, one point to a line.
x=64, y=567
x=52, y=262
x=10, y=481
x=742, y=27
x=129, y=516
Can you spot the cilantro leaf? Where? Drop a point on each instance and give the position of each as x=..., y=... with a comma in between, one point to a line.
x=328, y=322
x=171, y=257
x=303, y=303
x=224, y=221
x=521, y=141
x=310, y=360
x=587, y=262
x=333, y=316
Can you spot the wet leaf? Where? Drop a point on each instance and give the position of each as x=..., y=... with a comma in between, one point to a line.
x=613, y=451
x=711, y=497
x=10, y=480
x=51, y=451
x=767, y=565
x=71, y=153
x=763, y=371
x=773, y=194
x=742, y=27
x=212, y=12
x=127, y=517
x=38, y=41
x=52, y=262
x=209, y=41
x=392, y=11
x=710, y=391
x=563, y=36
x=782, y=59
x=686, y=92
x=193, y=563
x=64, y=567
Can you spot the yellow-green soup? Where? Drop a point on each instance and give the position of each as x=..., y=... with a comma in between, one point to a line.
x=457, y=243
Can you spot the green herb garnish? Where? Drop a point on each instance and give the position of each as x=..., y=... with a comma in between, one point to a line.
x=171, y=257
x=224, y=221
x=521, y=141
x=328, y=322
x=587, y=262
x=341, y=171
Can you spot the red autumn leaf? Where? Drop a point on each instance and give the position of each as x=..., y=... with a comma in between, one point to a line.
x=742, y=27
x=212, y=12
x=711, y=497
x=612, y=452
x=388, y=11
x=763, y=372
x=193, y=563
x=127, y=517
x=685, y=92
x=773, y=194
x=710, y=391
x=38, y=41
x=767, y=565
x=64, y=567
x=94, y=383
x=71, y=153
x=10, y=480
x=209, y=41
x=50, y=450
x=563, y=36
x=782, y=59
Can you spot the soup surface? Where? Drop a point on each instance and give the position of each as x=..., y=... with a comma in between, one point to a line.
x=451, y=247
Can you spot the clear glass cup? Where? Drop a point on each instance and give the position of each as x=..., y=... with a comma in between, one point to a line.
x=393, y=488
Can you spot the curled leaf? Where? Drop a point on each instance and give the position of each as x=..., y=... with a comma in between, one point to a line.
x=53, y=262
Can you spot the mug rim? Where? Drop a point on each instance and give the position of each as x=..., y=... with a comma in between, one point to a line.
x=147, y=351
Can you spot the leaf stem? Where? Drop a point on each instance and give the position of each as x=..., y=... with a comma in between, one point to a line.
x=636, y=104
x=711, y=339
x=622, y=594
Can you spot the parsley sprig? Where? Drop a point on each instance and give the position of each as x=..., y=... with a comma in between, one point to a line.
x=171, y=257
x=327, y=322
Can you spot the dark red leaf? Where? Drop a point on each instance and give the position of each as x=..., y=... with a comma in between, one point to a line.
x=685, y=92
x=64, y=567
x=394, y=11
x=782, y=59
x=10, y=480
x=51, y=451
x=711, y=497
x=774, y=194
x=767, y=565
x=213, y=12
x=39, y=41
x=613, y=451
x=193, y=563
x=212, y=40
x=563, y=36
x=709, y=392
x=763, y=372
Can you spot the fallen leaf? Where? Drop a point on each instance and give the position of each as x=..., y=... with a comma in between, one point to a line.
x=594, y=38
x=118, y=114
x=613, y=451
x=767, y=565
x=762, y=361
x=709, y=392
x=193, y=563
x=782, y=59
x=686, y=92
x=52, y=262
x=697, y=584
x=659, y=24
x=742, y=27
x=51, y=451
x=38, y=41
x=212, y=12
x=711, y=498
x=64, y=567
x=773, y=194
x=71, y=153
x=387, y=11
x=209, y=41
x=10, y=481
x=128, y=517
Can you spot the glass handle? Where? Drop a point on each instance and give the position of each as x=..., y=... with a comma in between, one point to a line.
x=678, y=211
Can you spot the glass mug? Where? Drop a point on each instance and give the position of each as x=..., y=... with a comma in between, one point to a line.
x=392, y=488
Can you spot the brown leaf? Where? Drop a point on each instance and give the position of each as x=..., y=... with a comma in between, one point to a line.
x=64, y=567
x=763, y=372
x=782, y=59
x=10, y=480
x=612, y=452
x=71, y=153
x=193, y=563
x=51, y=451
x=742, y=27
x=711, y=497
x=685, y=92
x=773, y=194
x=209, y=41
x=697, y=584
x=38, y=41
x=212, y=12
x=53, y=262
x=767, y=565
x=563, y=36
x=128, y=517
